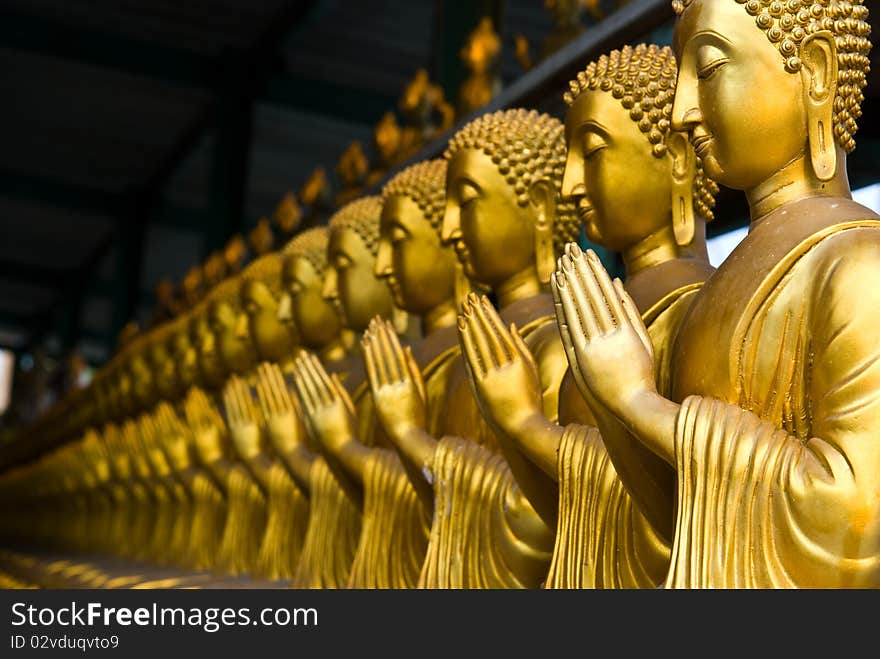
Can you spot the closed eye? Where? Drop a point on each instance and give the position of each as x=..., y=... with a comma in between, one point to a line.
x=709, y=70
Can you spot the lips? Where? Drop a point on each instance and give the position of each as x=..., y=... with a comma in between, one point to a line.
x=584, y=210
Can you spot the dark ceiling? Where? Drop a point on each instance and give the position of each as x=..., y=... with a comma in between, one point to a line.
x=139, y=135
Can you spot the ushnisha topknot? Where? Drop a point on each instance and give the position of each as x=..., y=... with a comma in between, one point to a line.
x=786, y=23
x=527, y=147
x=643, y=80
x=266, y=269
x=361, y=216
x=310, y=245
x=425, y=184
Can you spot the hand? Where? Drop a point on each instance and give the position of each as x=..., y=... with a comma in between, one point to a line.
x=605, y=339
x=243, y=417
x=502, y=371
x=206, y=424
x=280, y=410
x=176, y=438
x=327, y=407
x=395, y=380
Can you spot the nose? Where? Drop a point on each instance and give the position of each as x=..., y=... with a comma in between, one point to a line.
x=383, y=260
x=285, y=305
x=241, y=326
x=573, y=176
x=450, y=230
x=685, y=108
x=330, y=289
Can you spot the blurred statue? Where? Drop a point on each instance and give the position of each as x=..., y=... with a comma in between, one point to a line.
x=481, y=55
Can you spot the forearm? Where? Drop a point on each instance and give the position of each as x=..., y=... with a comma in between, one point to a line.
x=539, y=489
x=539, y=439
x=648, y=479
x=298, y=461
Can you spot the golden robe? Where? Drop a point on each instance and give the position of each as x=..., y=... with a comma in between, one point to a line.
x=485, y=533
x=394, y=535
x=602, y=539
x=776, y=445
x=287, y=512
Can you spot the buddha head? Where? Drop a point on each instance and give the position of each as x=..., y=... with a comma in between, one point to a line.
x=302, y=306
x=184, y=353
x=211, y=371
x=766, y=85
x=350, y=283
x=628, y=173
x=143, y=381
x=161, y=361
x=419, y=269
x=503, y=212
x=258, y=297
x=230, y=327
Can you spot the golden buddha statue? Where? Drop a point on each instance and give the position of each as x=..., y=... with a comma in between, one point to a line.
x=425, y=111
x=481, y=55
x=768, y=430
x=420, y=274
x=286, y=505
x=234, y=254
x=287, y=215
x=317, y=196
x=352, y=170
x=261, y=239
x=388, y=144
x=504, y=219
x=640, y=190
x=335, y=490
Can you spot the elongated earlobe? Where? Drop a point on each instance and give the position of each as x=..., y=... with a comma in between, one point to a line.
x=543, y=199
x=684, y=164
x=818, y=53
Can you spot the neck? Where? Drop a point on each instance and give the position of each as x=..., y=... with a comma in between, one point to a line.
x=522, y=285
x=441, y=316
x=793, y=182
x=653, y=249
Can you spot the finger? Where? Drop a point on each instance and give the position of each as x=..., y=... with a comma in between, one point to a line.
x=500, y=354
x=399, y=352
x=306, y=389
x=611, y=296
x=263, y=398
x=389, y=354
x=320, y=387
x=285, y=404
x=522, y=350
x=589, y=289
x=342, y=393
x=633, y=317
x=477, y=331
x=378, y=357
x=369, y=362
x=472, y=359
x=415, y=373
x=326, y=380
x=499, y=330
x=575, y=301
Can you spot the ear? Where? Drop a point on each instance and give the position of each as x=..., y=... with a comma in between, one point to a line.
x=818, y=52
x=542, y=198
x=684, y=167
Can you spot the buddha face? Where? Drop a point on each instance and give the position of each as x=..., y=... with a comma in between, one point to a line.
x=350, y=283
x=231, y=333
x=492, y=234
x=211, y=369
x=143, y=385
x=164, y=369
x=419, y=270
x=184, y=357
x=745, y=114
x=271, y=338
x=622, y=191
x=303, y=306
